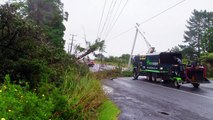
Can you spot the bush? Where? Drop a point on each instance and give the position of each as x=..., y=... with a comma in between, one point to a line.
x=127, y=73
x=84, y=94
x=18, y=103
x=46, y=83
x=107, y=74
x=207, y=61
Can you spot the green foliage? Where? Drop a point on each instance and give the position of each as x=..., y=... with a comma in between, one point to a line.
x=19, y=103
x=175, y=49
x=207, y=61
x=127, y=73
x=98, y=45
x=106, y=74
x=198, y=25
x=25, y=52
x=84, y=94
x=45, y=82
x=108, y=111
x=49, y=15
x=207, y=40
x=20, y=41
x=207, y=57
x=121, y=61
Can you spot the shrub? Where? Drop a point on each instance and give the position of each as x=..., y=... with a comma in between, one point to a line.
x=207, y=61
x=84, y=95
x=19, y=103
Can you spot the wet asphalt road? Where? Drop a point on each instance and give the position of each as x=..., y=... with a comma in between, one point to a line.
x=144, y=100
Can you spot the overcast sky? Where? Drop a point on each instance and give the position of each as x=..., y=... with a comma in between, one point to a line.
x=163, y=32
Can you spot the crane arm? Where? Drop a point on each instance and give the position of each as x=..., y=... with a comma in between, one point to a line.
x=150, y=48
x=147, y=43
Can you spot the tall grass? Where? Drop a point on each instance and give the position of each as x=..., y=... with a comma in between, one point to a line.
x=84, y=94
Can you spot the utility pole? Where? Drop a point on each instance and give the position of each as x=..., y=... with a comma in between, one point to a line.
x=68, y=48
x=133, y=46
x=72, y=43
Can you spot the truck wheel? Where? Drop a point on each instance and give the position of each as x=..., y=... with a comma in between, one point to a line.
x=150, y=77
x=177, y=84
x=196, y=85
x=135, y=75
x=154, y=79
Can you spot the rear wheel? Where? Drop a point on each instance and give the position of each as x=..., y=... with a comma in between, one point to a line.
x=154, y=78
x=150, y=77
x=135, y=74
x=176, y=84
x=196, y=85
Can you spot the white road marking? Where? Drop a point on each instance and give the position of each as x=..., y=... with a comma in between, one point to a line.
x=180, y=91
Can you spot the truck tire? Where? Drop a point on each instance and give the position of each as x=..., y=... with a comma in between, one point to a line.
x=150, y=77
x=154, y=79
x=176, y=84
x=135, y=74
x=196, y=85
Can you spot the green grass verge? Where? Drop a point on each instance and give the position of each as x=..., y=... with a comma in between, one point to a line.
x=108, y=111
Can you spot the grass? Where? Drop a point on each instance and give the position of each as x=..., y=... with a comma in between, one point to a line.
x=108, y=111
x=112, y=63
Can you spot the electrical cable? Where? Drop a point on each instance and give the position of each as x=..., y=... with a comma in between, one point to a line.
x=114, y=17
x=145, y=21
x=117, y=18
x=110, y=17
x=102, y=14
x=106, y=18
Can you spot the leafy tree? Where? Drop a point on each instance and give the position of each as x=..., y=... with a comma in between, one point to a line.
x=175, y=49
x=98, y=45
x=197, y=26
x=18, y=40
x=207, y=41
x=49, y=14
x=25, y=52
x=125, y=57
x=187, y=51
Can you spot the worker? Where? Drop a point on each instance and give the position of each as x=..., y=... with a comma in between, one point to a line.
x=177, y=60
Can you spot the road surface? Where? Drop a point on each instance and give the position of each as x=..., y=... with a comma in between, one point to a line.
x=144, y=100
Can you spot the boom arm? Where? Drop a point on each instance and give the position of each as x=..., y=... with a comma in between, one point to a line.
x=150, y=48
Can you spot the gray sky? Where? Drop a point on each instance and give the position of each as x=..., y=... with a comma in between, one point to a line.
x=163, y=32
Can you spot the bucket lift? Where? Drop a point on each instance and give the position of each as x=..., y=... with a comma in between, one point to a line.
x=150, y=48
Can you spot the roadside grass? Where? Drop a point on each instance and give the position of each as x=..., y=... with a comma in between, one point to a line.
x=86, y=97
x=118, y=64
x=84, y=94
x=126, y=73
x=107, y=74
x=108, y=111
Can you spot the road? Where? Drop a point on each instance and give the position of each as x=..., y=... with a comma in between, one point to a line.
x=144, y=100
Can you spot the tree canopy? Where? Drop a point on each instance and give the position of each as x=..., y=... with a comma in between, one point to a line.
x=198, y=33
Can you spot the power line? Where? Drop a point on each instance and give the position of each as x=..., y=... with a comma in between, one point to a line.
x=123, y=33
x=114, y=17
x=162, y=12
x=106, y=18
x=112, y=11
x=117, y=18
x=102, y=14
x=149, y=19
